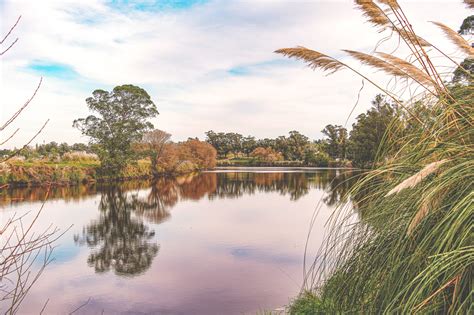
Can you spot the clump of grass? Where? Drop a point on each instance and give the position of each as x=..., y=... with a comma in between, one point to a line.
x=310, y=303
x=411, y=249
x=79, y=156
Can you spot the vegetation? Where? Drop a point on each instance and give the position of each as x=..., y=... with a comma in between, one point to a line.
x=411, y=250
x=122, y=119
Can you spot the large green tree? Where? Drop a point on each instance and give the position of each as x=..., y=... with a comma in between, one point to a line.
x=369, y=131
x=121, y=117
x=336, y=142
x=296, y=144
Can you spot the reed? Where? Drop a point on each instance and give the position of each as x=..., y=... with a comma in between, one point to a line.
x=409, y=248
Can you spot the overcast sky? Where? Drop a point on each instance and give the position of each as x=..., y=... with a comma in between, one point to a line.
x=206, y=64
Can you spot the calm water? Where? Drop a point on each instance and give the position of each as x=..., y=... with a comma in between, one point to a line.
x=223, y=242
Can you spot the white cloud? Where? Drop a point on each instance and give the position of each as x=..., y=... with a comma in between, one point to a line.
x=183, y=58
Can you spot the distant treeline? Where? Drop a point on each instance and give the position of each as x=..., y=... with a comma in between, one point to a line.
x=357, y=147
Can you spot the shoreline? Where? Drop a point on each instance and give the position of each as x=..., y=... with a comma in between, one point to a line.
x=41, y=176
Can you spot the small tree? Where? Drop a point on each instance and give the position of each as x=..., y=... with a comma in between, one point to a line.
x=122, y=119
x=200, y=153
x=154, y=143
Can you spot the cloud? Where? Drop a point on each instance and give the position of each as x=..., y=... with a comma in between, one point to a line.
x=206, y=64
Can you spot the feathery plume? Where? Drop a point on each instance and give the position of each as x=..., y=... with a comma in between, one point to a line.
x=410, y=69
x=393, y=67
x=373, y=13
x=425, y=207
x=376, y=63
x=456, y=39
x=391, y=3
x=469, y=3
x=412, y=181
x=417, y=218
x=312, y=58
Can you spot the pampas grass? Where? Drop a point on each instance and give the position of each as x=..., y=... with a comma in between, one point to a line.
x=410, y=248
x=469, y=3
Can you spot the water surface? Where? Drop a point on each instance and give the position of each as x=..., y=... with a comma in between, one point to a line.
x=221, y=242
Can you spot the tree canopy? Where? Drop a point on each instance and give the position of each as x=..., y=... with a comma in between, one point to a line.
x=369, y=130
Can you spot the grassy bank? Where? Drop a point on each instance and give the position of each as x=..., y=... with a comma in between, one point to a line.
x=38, y=173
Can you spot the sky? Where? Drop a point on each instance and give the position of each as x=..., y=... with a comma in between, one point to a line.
x=207, y=64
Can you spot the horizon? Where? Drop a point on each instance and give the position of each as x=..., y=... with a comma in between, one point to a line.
x=208, y=65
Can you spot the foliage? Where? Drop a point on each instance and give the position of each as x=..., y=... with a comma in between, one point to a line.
x=292, y=147
x=464, y=72
x=186, y=157
x=369, y=131
x=314, y=156
x=225, y=143
x=122, y=118
x=336, y=143
x=467, y=26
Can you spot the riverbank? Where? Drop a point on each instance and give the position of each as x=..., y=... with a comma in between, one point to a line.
x=67, y=173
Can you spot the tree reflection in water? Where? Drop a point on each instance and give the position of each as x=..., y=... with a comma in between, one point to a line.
x=118, y=240
x=122, y=241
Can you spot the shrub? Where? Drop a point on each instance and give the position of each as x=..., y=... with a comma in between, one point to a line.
x=317, y=158
x=200, y=154
x=266, y=155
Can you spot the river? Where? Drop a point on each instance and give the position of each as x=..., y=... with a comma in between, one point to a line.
x=219, y=242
